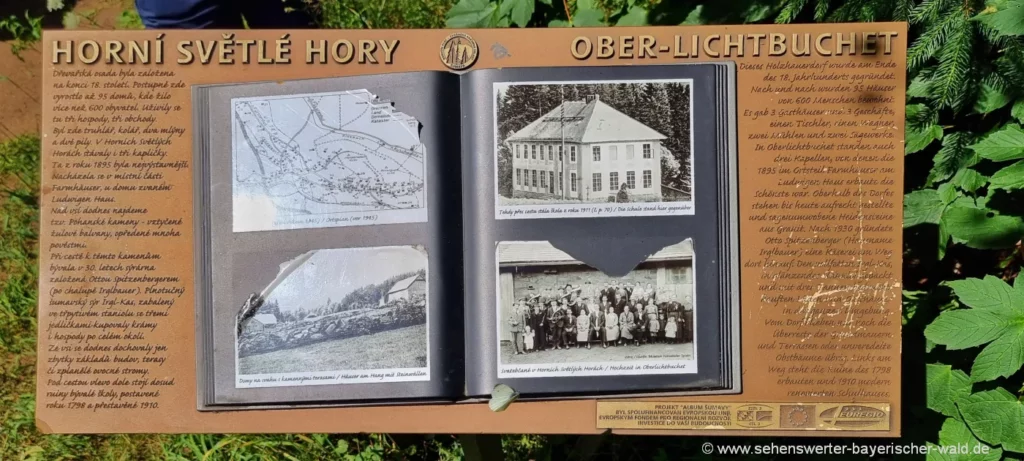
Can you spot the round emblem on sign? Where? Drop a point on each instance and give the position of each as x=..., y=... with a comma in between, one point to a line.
x=459, y=51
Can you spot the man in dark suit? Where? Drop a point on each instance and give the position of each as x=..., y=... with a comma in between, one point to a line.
x=539, y=327
x=549, y=324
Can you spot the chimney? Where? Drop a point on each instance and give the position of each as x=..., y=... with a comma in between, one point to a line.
x=591, y=98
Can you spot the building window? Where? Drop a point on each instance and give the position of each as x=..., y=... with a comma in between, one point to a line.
x=597, y=153
x=517, y=150
x=631, y=180
x=551, y=181
x=647, y=179
x=613, y=151
x=613, y=180
x=678, y=275
x=533, y=152
x=572, y=181
x=519, y=177
x=534, y=174
x=572, y=154
x=629, y=150
x=647, y=151
x=561, y=181
x=551, y=152
x=561, y=155
x=543, y=180
x=597, y=182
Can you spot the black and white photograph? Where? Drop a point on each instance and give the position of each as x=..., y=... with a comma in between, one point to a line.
x=557, y=316
x=335, y=159
x=593, y=148
x=338, y=316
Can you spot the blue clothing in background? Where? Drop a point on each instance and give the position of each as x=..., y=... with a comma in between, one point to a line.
x=218, y=14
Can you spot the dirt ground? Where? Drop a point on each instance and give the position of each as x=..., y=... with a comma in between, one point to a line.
x=21, y=75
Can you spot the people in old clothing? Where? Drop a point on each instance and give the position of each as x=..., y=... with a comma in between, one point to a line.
x=611, y=314
x=611, y=327
x=623, y=195
x=671, y=328
x=653, y=324
x=626, y=325
x=583, y=328
x=516, y=323
x=540, y=327
x=569, y=330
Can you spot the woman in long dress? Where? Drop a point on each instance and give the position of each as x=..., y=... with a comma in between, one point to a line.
x=583, y=328
x=626, y=325
x=611, y=327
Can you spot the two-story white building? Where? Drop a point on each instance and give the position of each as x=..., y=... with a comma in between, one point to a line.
x=586, y=150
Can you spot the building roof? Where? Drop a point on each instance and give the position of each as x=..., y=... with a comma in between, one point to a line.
x=266, y=319
x=404, y=284
x=543, y=253
x=586, y=122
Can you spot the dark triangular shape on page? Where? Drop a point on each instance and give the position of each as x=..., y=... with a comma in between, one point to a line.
x=616, y=257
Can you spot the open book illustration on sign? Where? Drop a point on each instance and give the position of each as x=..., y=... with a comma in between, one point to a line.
x=581, y=236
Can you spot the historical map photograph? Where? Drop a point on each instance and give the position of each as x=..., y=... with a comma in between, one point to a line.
x=333, y=159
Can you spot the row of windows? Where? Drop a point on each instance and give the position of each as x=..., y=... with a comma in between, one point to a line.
x=528, y=178
x=547, y=181
x=613, y=152
x=531, y=153
x=614, y=184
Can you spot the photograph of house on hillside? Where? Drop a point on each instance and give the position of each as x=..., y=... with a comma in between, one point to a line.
x=608, y=145
x=339, y=316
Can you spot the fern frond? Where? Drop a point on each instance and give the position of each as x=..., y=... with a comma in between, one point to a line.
x=1010, y=66
x=930, y=42
x=929, y=11
x=921, y=84
x=845, y=13
x=951, y=82
x=790, y=11
x=821, y=10
x=953, y=156
x=901, y=10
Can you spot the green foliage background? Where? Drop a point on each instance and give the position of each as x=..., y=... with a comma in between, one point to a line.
x=963, y=331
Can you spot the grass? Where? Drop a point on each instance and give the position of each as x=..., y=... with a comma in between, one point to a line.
x=401, y=348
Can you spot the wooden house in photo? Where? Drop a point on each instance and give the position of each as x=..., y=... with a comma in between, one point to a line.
x=586, y=151
x=407, y=289
x=259, y=323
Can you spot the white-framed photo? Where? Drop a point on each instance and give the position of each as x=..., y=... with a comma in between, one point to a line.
x=559, y=317
x=593, y=148
x=338, y=316
x=334, y=159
